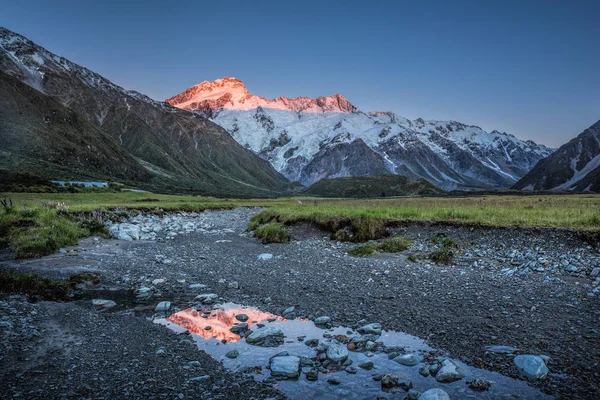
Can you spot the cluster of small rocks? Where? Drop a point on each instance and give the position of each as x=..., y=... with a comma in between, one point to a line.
x=147, y=226
x=333, y=355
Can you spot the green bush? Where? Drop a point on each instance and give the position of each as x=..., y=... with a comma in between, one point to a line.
x=395, y=245
x=441, y=256
x=272, y=233
x=444, y=241
x=363, y=251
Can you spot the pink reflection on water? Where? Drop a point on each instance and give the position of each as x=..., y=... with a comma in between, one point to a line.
x=220, y=321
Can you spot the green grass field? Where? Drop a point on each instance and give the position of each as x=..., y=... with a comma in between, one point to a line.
x=32, y=230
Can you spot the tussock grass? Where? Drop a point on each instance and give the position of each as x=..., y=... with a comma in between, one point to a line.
x=442, y=256
x=272, y=233
x=445, y=255
x=363, y=251
x=394, y=245
x=38, y=232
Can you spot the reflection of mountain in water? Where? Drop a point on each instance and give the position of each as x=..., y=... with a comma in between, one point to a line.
x=220, y=321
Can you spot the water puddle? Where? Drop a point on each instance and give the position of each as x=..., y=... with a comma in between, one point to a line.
x=211, y=329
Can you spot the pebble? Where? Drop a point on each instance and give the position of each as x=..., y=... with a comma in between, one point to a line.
x=241, y=317
x=232, y=354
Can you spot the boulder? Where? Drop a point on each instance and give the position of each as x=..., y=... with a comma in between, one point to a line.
x=266, y=337
x=449, y=372
x=531, y=367
x=434, y=394
x=370, y=329
x=409, y=359
x=285, y=367
x=337, y=352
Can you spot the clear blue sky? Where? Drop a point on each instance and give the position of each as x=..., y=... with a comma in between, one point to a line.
x=531, y=68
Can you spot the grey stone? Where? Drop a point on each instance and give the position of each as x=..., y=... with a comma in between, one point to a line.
x=368, y=365
x=232, y=354
x=102, y=304
x=241, y=317
x=234, y=285
x=163, y=306
x=501, y=349
x=409, y=359
x=531, y=367
x=322, y=321
x=241, y=327
x=370, y=329
x=285, y=367
x=207, y=298
x=434, y=394
x=337, y=352
x=266, y=337
x=449, y=372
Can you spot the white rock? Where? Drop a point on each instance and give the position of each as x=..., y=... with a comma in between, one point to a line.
x=531, y=367
x=102, y=304
x=434, y=394
x=265, y=256
x=449, y=372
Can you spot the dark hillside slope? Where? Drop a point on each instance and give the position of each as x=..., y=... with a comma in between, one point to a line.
x=371, y=186
x=39, y=135
x=181, y=149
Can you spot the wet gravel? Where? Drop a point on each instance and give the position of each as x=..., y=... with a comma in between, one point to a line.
x=462, y=308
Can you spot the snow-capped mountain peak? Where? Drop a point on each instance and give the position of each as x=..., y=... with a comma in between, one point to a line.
x=231, y=93
x=311, y=139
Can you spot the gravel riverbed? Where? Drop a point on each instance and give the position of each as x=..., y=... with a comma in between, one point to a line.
x=532, y=289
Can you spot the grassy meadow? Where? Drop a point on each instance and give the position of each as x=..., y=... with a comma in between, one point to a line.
x=31, y=229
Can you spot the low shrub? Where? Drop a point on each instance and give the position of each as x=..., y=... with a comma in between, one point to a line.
x=441, y=256
x=394, y=245
x=272, y=233
x=363, y=251
x=444, y=241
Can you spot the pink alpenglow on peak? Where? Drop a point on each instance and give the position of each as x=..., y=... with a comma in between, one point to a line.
x=230, y=93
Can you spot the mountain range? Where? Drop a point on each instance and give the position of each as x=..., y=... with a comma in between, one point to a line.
x=62, y=120
x=311, y=139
